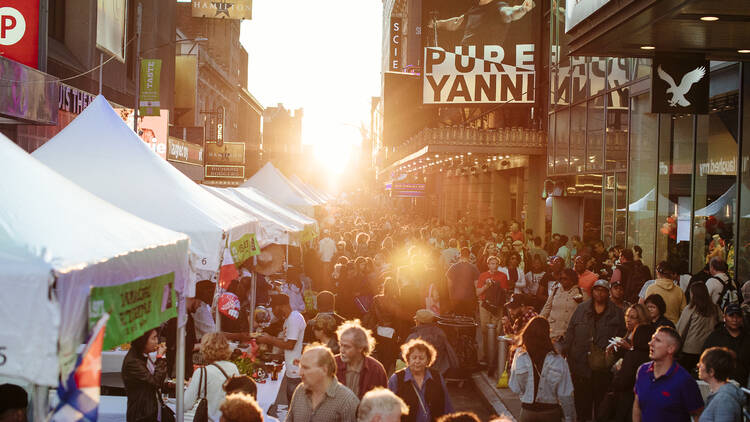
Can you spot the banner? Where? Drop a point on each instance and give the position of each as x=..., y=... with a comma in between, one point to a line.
x=149, y=96
x=227, y=153
x=225, y=9
x=184, y=152
x=111, y=27
x=230, y=172
x=479, y=52
x=244, y=248
x=133, y=307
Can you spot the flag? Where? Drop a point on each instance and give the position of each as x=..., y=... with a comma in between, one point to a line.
x=79, y=395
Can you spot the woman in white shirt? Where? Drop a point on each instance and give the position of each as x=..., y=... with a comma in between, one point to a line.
x=215, y=350
x=541, y=377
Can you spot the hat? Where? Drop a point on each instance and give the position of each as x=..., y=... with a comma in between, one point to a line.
x=601, y=283
x=517, y=243
x=425, y=316
x=516, y=300
x=732, y=309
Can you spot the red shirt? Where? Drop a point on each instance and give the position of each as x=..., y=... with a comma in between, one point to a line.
x=517, y=235
x=496, y=276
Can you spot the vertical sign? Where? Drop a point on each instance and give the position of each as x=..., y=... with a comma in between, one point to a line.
x=149, y=100
x=680, y=84
x=19, y=32
x=111, y=27
x=395, y=34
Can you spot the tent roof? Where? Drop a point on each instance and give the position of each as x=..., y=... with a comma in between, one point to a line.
x=312, y=193
x=260, y=199
x=99, y=152
x=273, y=183
x=85, y=240
x=274, y=228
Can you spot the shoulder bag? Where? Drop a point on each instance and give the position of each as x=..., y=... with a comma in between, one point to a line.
x=201, y=413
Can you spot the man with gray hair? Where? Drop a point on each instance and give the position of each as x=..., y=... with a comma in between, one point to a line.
x=355, y=368
x=381, y=405
x=320, y=397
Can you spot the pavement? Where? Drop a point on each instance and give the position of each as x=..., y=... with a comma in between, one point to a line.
x=502, y=401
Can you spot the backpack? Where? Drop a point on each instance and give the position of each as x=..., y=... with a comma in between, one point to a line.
x=637, y=277
x=729, y=293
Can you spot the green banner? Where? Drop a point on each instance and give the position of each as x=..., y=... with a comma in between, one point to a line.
x=133, y=307
x=149, y=104
x=244, y=248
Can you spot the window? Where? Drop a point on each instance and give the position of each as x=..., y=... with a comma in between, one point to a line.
x=562, y=130
x=578, y=138
x=56, y=20
x=595, y=134
x=616, y=153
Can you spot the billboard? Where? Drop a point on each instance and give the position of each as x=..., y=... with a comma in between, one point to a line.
x=225, y=9
x=479, y=51
x=227, y=153
x=111, y=27
x=184, y=152
x=154, y=130
x=19, y=32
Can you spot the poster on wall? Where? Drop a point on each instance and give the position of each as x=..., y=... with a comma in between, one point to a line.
x=479, y=52
x=153, y=130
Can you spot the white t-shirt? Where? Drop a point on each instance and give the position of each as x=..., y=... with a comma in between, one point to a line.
x=715, y=286
x=326, y=249
x=294, y=329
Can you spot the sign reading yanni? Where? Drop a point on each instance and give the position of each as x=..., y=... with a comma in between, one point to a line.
x=468, y=76
x=680, y=84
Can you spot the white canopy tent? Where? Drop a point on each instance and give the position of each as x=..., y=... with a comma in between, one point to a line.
x=273, y=183
x=84, y=240
x=26, y=281
x=309, y=225
x=99, y=152
x=274, y=228
x=717, y=207
x=307, y=189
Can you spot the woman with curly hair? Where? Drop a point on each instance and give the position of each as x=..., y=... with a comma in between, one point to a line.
x=419, y=386
x=215, y=350
x=324, y=330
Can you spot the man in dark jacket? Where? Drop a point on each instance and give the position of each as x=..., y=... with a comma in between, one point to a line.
x=428, y=331
x=598, y=319
x=354, y=367
x=734, y=336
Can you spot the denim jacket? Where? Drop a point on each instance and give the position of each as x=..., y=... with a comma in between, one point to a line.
x=555, y=383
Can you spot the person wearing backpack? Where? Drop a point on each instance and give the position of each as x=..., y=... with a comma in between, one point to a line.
x=207, y=382
x=720, y=286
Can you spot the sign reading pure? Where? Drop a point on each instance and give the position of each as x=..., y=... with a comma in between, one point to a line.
x=133, y=307
x=149, y=96
x=473, y=75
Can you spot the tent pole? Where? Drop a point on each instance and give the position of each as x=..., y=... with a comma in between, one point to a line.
x=180, y=364
x=41, y=402
x=253, y=286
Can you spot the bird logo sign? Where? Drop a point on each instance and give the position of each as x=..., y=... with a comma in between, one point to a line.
x=690, y=95
x=678, y=91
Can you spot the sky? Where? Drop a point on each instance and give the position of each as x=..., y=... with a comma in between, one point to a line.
x=322, y=56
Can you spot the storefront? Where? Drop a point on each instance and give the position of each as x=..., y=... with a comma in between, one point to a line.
x=675, y=184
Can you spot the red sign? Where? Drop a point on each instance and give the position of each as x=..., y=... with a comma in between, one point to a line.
x=19, y=32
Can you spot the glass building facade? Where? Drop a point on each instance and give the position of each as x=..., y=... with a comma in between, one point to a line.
x=676, y=185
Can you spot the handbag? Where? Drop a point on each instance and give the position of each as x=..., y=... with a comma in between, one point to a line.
x=598, y=358
x=167, y=414
x=201, y=413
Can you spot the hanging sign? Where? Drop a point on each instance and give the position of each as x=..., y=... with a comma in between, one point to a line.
x=149, y=96
x=224, y=9
x=133, y=307
x=19, y=32
x=679, y=84
x=244, y=248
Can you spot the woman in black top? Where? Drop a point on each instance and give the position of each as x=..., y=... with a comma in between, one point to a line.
x=624, y=379
x=143, y=378
x=656, y=307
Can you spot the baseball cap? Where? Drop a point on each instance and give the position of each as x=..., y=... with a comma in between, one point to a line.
x=424, y=316
x=601, y=283
x=732, y=309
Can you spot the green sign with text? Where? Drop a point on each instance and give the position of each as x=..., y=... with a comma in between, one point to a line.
x=133, y=307
x=149, y=104
x=244, y=248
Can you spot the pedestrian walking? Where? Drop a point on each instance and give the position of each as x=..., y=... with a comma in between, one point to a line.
x=725, y=402
x=355, y=368
x=696, y=323
x=143, y=377
x=541, y=377
x=381, y=405
x=208, y=381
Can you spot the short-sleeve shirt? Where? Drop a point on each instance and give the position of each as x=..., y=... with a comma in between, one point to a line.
x=461, y=277
x=294, y=329
x=497, y=276
x=669, y=398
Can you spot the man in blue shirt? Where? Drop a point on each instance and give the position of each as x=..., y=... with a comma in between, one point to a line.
x=665, y=391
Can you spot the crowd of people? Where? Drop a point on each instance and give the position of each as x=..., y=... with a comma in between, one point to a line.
x=596, y=336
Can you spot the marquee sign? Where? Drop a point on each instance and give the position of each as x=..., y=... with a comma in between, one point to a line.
x=223, y=9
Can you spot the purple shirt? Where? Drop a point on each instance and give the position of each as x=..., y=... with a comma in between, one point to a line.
x=671, y=397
